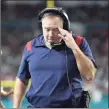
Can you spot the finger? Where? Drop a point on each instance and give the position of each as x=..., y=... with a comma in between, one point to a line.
x=60, y=35
x=61, y=30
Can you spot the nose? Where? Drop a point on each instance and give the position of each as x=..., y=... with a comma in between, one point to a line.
x=50, y=33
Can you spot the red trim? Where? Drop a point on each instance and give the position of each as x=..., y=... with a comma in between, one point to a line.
x=78, y=40
x=28, y=46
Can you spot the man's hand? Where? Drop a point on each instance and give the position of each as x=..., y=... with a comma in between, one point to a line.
x=84, y=64
x=67, y=37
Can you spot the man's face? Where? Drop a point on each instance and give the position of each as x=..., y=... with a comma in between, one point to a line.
x=50, y=26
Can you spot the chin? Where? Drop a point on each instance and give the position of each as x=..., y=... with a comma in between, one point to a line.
x=51, y=41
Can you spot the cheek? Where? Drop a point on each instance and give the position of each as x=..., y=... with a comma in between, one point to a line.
x=56, y=34
x=45, y=37
x=45, y=33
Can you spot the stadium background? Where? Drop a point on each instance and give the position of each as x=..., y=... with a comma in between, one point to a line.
x=19, y=24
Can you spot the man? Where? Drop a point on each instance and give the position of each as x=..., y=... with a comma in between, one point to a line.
x=55, y=62
x=4, y=93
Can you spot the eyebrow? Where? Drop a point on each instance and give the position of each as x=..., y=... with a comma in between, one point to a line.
x=50, y=27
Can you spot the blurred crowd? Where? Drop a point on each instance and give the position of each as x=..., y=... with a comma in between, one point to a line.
x=19, y=25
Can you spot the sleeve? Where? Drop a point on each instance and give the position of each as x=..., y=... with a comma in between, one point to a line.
x=23, y=71
x=84, y=46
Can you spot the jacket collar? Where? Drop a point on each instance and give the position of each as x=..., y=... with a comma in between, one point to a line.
x=38, y=41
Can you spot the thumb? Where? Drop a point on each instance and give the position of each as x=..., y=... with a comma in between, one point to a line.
x=60, y=35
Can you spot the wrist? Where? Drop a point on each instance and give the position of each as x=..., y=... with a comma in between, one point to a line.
x=75, y=48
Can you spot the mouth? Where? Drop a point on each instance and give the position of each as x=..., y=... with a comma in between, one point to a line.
x=51, y=39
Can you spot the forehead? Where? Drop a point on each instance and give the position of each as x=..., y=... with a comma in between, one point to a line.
x=52, y=21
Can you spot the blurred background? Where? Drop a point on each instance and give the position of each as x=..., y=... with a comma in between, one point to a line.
x=19, y=24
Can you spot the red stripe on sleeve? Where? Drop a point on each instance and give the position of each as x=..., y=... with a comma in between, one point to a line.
x=28, y=46
x=78, y=40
